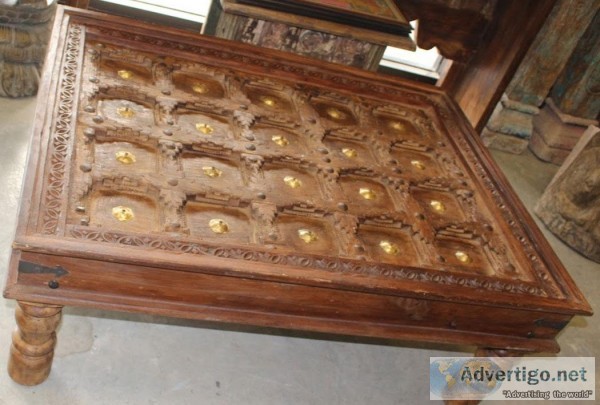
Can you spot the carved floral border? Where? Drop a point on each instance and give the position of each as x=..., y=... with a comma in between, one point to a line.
x=334, y=265
x=61, y=132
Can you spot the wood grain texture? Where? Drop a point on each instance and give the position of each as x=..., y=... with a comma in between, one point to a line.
x=501, y=50
x=341, y=30
x=550, y=51
x=207, y=179
x=33, y=342
x=455, y=28
x=569, y=206
x=24, y=34
x=576, y=91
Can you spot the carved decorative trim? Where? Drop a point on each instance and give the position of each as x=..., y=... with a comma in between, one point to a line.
x=62, y=132
x=540, y=270
x=334, y=265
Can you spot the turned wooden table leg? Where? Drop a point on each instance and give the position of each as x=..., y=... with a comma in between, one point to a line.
x=33, y=342
x=485, y=352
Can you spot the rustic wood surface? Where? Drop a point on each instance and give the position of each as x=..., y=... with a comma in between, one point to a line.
x=24, y=35
x=577, y=89
x=551, y=50
x=33, y=342
x=341, y=30
x=278, y=35
x=485, y=76
x=207, y=179
x=570, y=205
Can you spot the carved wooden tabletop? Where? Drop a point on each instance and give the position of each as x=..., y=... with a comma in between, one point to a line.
x=167, y=169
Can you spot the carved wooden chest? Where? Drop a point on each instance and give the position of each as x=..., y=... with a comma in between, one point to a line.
x=200, y=178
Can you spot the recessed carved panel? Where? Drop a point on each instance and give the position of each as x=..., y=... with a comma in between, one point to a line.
x=464, y=257
x=133, y=213
x=389, y=244
x=125, y=72
x=279, y=140
x=439, y=205
x=125, y=112
x=418, y=164
x=356, y=171
x=225, y=224
x=200, y=86
x=305, y=234
x=348, y=152
x=291, y=184
x=211, y=171
x=203, y=126
x=399, y=128
x=334, y=113
x=124, y=156
x=364, y=195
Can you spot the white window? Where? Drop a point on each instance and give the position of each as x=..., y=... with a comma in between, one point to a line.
x=192, y=10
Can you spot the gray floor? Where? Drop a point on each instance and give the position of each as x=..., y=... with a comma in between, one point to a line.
x=116, y=358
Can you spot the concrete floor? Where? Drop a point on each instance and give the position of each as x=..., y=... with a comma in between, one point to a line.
x=116, y=358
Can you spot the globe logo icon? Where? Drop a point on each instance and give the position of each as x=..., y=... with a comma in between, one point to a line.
x=463, y=378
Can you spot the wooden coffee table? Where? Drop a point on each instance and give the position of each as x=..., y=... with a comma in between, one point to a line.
x=199, y=178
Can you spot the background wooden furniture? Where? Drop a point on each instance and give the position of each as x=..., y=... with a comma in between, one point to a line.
x=206, y=179
x=570, y=206
x=24, y=34
x=293, y=31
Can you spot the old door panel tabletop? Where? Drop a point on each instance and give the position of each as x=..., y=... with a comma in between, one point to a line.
x=200, y=178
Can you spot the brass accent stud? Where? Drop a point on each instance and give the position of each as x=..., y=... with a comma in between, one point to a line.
x=268, y=101
x=125, y=74
x=366, y=193
x=335, y=113
x=307, y=236
x=122, y=213
x=217, y=225
x=389, y=247
x=200, y=88
x=292, y=182
x=280, y=140
x=204, y=128
x=211, y=171
x=417, y=164
x=437, y=206
x=125, y=112
x=398, y=126
x=349, y=152
x=463, y=257
x=125, y=157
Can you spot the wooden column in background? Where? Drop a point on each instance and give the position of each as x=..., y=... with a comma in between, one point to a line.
x=24, y=32
x=511, y=124
x=478, y=84
x=574, y=102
